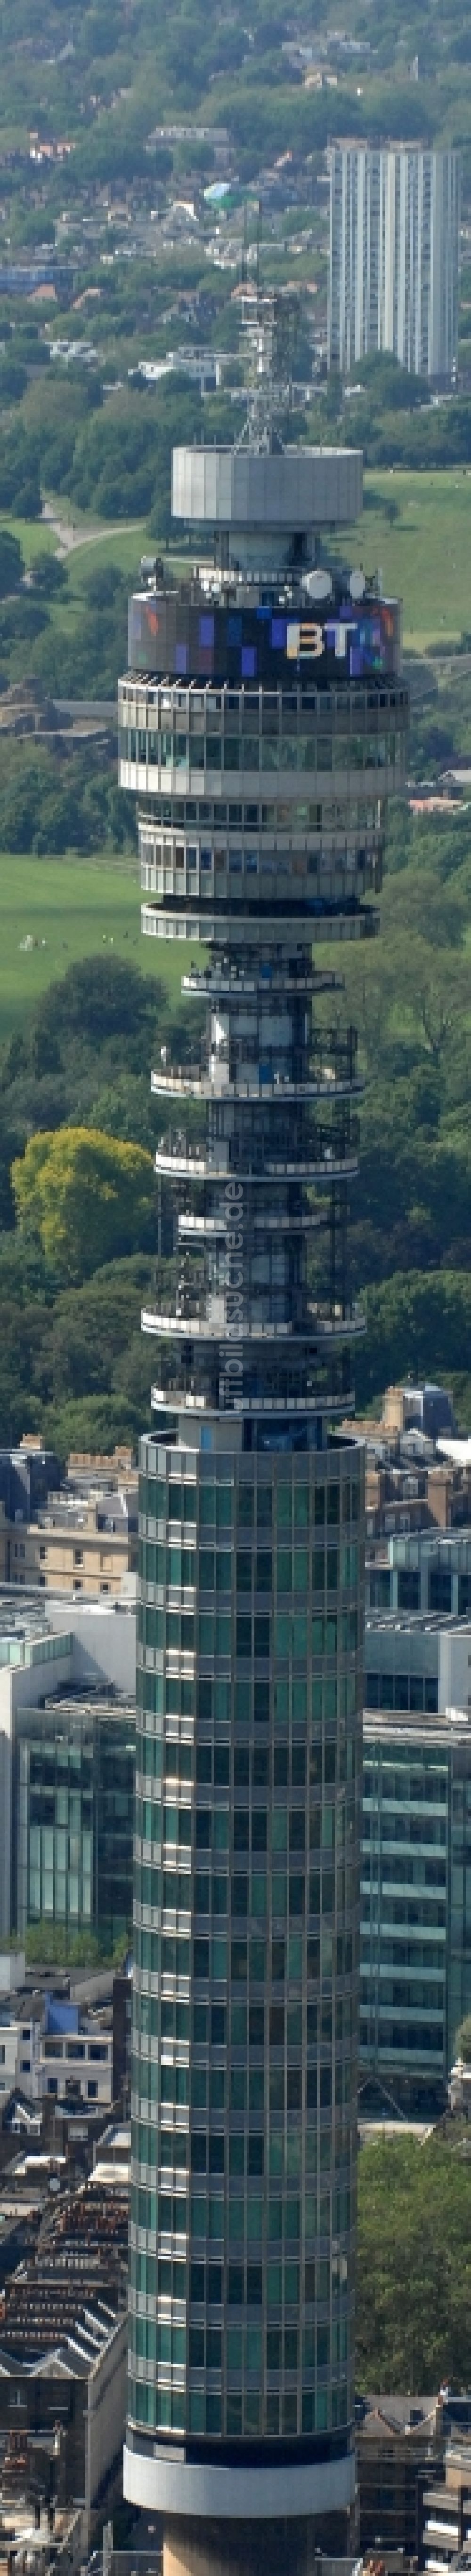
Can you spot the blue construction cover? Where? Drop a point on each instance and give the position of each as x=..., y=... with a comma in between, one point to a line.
x=60, y=2015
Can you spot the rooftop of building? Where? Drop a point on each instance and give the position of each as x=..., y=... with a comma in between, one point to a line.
x=22, y=1986
x=29, y=2178
x=405, y=1546
x=73, y=2291
x=112, y=2155
x=25, y=2544
x=86, y=1468
x=394, y=143
x=416, y=1623
x=424, y=1727
x=75, y=2354
x=33, y=1623
x=25, y=1620
x=81, y=1707
x=385, y=2126
x=398, y=2415
x=36, y=2137
x=99, y=1508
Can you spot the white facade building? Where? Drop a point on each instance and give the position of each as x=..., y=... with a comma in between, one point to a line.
x=20, y=2054
x=201, y=366
x=394, y=257
x=35, y=2059
x=67, y=1646
x=81, y=2059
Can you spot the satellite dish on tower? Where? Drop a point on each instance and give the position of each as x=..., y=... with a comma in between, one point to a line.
x=318, y=584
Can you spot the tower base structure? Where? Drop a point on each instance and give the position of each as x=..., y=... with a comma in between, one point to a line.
x=282, y=2546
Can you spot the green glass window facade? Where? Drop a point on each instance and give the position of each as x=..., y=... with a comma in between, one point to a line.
x=415, y=1952
x=74, y=1809
x=246, y=1929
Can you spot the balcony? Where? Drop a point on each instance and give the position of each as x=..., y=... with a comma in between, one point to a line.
x=205, y=1320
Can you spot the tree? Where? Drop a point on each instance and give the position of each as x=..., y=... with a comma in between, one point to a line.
x=90, y=1333
x=414, y=2265
x=52, y=1945
x=96, y=1423
x=50, y=576
x=463, y=2040
x=101, y=584
x=11, y=562
x=101, y=998
x=419, y=1321
x=86, y=1197
x=13, y=379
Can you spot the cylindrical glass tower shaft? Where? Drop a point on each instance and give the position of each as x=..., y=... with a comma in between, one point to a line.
x=260, y=721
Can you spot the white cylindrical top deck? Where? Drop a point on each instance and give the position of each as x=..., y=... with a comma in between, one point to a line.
x=303, y=487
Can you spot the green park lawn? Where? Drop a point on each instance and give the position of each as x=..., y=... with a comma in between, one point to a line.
x=424, y=552
x=36, y=537
x=70, y=908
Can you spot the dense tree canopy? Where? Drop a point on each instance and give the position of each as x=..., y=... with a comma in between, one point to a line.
x=50, y=805
x=87, y=1198
x=414, y=2265
x=88, y=1050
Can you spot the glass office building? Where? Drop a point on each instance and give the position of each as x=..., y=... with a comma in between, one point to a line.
x=415, y=1942
x=72, y=1814
x=427, y=1572
x=415, y=1956
x=261, y=720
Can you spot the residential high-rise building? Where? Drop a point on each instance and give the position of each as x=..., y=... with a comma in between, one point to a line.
x=394, y=257
x=261, y=721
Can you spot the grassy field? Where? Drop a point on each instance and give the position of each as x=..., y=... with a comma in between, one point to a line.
x=36, y=537
x=70, y=908
x=424, y=551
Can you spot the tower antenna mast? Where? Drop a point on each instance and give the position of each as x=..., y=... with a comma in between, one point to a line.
x=270, y=323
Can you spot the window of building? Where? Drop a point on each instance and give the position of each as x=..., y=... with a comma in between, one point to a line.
x=440, y=1586
x=408, y=1588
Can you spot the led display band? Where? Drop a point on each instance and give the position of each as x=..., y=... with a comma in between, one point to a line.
x=167, y=637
